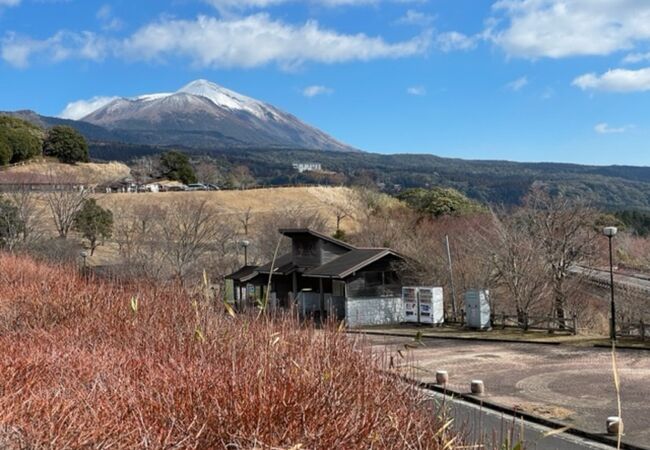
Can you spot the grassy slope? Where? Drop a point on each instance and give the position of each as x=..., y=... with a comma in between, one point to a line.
x=43, y=170
x=83, y=366
x=612, y=187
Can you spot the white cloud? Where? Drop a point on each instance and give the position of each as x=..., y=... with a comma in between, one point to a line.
x=19, y=50
x=562, y=28
x=417, y=90
x=518, y=84
x=108, y=19
x=452, y=41
x=240, y=5
x=413, y=17
x=604, y=128
x=313, y=91
x=250, y=41
x=81, y=108
x=616, y=80
x=634, y=58
x=258, y=40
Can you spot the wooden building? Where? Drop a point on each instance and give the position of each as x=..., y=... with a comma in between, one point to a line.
x=323, y=277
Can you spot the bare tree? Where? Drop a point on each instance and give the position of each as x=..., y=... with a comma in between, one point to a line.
x=11, y=226
x=188, y=231
x=565, y=230
x=518, y=260
x=64, y=201
x=265, y=237
x=145, y=168
x=245, y=220
x=208, y=171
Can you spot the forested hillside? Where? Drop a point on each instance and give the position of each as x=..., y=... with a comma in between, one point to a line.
x=611, y=187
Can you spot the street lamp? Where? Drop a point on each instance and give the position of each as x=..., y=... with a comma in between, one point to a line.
x=610, y=232
x=245, y=243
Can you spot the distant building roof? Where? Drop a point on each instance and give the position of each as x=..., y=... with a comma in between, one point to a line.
x=168, y=183
x=353, y=260
x=283, y=265
x=242, y=273
x=294, y=231
x=348, y=263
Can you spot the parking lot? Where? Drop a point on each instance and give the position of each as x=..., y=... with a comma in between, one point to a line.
x=565, y=383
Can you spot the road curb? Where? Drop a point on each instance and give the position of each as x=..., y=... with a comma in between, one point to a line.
x=457, y=338
x=600, y=438
x=618, y=347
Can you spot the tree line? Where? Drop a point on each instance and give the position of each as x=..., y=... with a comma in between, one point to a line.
x=21, y=141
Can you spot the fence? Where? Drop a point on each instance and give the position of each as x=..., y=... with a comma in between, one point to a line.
x=538, y=323
x=633, y=329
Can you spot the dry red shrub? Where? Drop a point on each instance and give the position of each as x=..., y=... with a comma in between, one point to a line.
x=84, y=366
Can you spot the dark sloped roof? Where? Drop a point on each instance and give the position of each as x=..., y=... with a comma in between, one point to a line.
x=293, y=231
x=350, y=262
x=283, y=265
x=241, y=273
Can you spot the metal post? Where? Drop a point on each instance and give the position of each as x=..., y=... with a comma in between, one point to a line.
x=612, y=330
x=245, y=255
x=451, y=278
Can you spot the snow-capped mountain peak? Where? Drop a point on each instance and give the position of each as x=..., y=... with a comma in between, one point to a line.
x=226, y=98
x=203, y=113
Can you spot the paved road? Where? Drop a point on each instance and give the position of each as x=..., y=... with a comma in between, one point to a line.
x=637, y=282
x=486, y=426
x=562, y=383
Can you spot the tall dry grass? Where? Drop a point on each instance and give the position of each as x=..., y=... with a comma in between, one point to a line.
x=89, y=364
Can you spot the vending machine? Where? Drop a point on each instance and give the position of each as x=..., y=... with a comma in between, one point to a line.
x=423, y=305
x=410, y=299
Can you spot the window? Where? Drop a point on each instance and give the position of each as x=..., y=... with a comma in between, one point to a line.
x=338, y=288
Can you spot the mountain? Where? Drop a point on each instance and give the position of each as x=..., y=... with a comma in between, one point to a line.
x=203, y=114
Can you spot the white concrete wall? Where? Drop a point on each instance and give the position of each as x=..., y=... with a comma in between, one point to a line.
x=361, y=312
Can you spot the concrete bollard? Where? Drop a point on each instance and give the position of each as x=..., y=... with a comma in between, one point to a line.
x=442, y=377
x=614, y=425
x=477, y=387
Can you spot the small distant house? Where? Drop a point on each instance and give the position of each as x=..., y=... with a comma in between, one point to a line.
x=151, y=187
x=308, y=167
x=324, y=278
x=170, y=186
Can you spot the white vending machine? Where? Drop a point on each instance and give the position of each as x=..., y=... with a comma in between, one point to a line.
x=410, y=299
x=424, y=305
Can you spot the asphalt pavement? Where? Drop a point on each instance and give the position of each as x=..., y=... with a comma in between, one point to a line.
x=491, y=428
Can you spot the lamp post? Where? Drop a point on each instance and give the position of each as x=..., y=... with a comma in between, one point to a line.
x=245, y=243
x=610, y=232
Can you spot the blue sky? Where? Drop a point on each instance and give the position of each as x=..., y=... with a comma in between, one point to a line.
x=525, y=80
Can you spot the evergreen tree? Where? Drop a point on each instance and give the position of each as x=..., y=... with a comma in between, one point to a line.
x=176, y=166
x=94, y=222
x=66, y=144
x=19, y=140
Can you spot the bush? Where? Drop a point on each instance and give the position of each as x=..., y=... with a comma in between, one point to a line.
x=89, y=364
x=93, y=222
x=439, y=201
x=66, y=144
x=5, y=152
x=24, y=140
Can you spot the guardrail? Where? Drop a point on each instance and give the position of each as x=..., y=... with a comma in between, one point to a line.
x=633, y=329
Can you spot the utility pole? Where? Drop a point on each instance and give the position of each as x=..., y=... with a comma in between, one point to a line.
x=451, y=279
x=610, y=232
